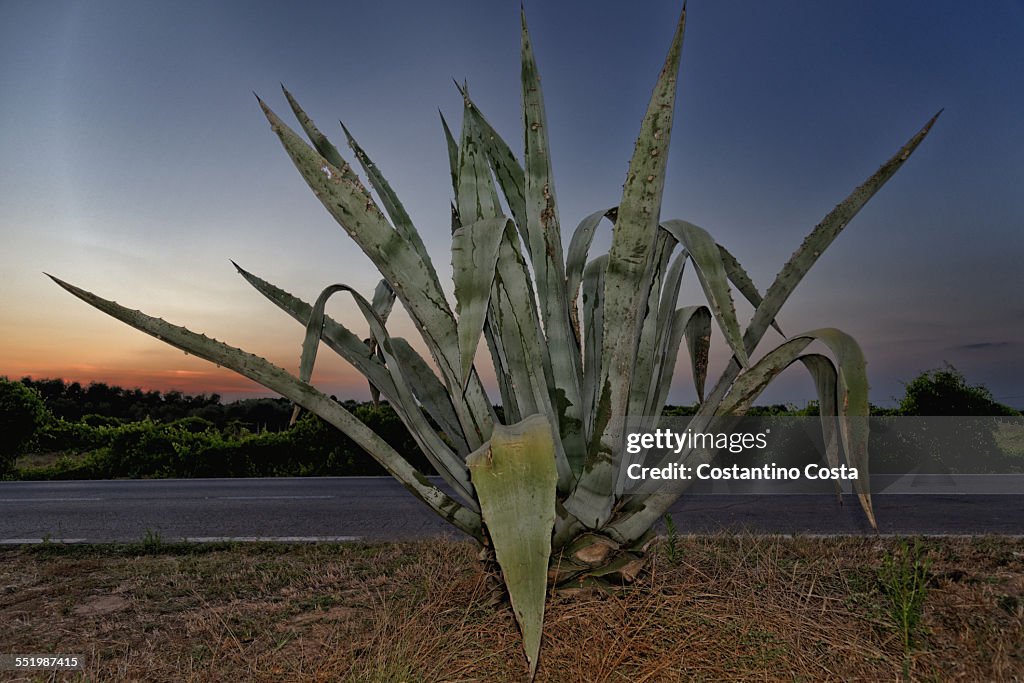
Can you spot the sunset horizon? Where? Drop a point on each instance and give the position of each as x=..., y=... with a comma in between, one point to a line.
x=166, y=169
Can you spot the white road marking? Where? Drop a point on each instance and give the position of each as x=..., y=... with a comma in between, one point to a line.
x=272, y=539
x=197, y=539
x=44, y=500
x=274, y=497
x=37, y=541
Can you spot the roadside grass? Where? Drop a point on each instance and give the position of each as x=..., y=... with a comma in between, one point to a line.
x=729, y=607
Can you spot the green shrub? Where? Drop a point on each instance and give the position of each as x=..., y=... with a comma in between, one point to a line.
x=22, y=413
x=946, y=392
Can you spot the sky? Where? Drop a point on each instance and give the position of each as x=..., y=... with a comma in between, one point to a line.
x=136, y=163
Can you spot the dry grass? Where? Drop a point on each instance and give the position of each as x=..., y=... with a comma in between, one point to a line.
x=732, y=607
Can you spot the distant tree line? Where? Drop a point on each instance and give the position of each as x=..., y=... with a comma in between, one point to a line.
x=64, y=430
x=73, y=402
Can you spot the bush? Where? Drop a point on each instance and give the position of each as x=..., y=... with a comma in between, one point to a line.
x=946, y=392
x=22, y=413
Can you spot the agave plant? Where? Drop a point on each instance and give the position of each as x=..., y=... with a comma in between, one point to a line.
x=538, y=486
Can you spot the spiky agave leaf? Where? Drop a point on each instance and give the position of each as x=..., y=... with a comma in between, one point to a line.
x=627, y=282
x=447, y=464
x=826, y=384
x=515, y=478
x=711, y=271
x=351, y=204
x=544, y=236
x=823, y=234
x=428, y=390
x=269, y=375
x=852, y=409
x=474, y=258
x=645, y=513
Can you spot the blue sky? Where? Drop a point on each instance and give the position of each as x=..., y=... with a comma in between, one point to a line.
x=137, y=163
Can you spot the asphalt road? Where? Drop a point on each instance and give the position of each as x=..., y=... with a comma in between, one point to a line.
x=379, y=509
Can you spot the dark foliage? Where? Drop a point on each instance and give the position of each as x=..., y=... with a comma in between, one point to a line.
x=22, y=413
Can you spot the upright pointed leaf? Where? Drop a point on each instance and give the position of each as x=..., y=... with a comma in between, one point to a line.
x=320, y=141
x=453, y=157
x=477, y=196
x=474, y=258
x=626, y=287
x=545, y=244
x=399, y=217
x=645, y=357
x=593, y=331
x=507, y=170
x=513, y=318
x=383, y=300
x=698, y=342
x=356, y=211
x=514, y=475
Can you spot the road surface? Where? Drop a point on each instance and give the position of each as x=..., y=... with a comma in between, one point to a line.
x=379, y=509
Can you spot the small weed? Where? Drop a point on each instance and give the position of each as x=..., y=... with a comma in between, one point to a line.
x=152, y=542
x=904, y=581
x=671, y=540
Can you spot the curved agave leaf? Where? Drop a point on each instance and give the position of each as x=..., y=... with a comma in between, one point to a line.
x=749, y=385
x=576, y=260
x=311, y=342
x=851, y=391
x=336, y=336
x=383, y=301
x=269, y=375
x=447, y=464
x=349, y=347
x=515, y=479
x=826, y=382
x=694, y=324
x=707, y=257
x=474, y=257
